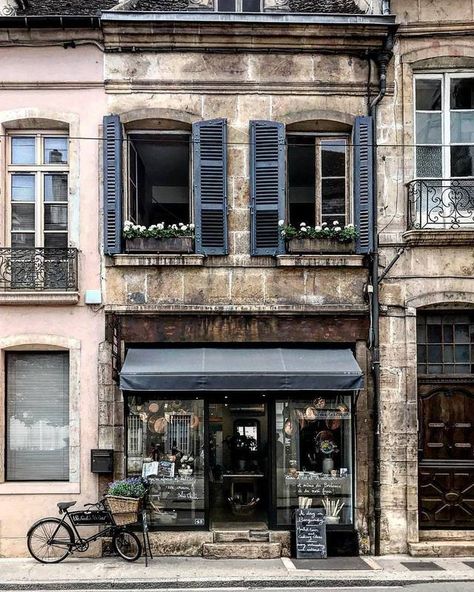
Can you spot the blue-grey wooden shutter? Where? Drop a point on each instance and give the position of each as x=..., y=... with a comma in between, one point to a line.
x=363, y=183
x=112, y=185
x=267, y=186
x=210, y=186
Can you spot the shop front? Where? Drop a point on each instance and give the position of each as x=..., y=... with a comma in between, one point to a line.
x=237, y=435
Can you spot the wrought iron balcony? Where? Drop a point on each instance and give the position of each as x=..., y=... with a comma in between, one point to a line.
x=441, y=204
x=33, y=269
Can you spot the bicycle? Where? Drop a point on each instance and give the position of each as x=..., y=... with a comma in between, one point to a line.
x=51, y=540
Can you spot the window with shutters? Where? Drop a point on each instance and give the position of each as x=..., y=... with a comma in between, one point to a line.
x=318, y=179
x=174, y=175
x=37, y=416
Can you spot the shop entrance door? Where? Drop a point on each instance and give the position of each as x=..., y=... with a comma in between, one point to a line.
x=238, y=463
x=446, y=455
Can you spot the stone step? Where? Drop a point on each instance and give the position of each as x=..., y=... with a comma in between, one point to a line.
x=240, y=536
x=442, y=549
x=244, y=550
x=446, y=535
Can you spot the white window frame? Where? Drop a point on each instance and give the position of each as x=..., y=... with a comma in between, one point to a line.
x=446, y=143
x=238, y=6
x=318, y=138
x=39, y=170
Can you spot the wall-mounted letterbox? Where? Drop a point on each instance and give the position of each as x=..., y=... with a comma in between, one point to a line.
x=102, y=461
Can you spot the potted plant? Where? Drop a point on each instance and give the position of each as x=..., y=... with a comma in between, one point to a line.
x=327, y=238
x=123, y=499
x=159, y=238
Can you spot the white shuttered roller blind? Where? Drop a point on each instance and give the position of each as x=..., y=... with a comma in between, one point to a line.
x=38, y=416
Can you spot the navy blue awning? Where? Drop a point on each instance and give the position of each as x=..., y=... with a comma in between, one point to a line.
x=240, y=369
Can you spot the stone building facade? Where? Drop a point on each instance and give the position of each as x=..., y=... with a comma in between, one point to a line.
x=186, y=100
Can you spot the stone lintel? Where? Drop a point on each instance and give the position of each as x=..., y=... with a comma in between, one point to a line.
x=320, y=261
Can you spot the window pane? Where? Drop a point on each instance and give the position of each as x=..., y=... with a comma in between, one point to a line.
x=165, y=440
x=333, y=196
x=37, y=417
x=462, y=333
x=462, y=353
x=23, y=216
x=434, y=354
x=226, y=5
x=250, y=5
x=23, y=150
x=429, y=162
x=448, y=333
x=434, y=333
x=55, y=188
x=448, y=353
x=428, y=128
x=333, y=158
x=23, y=187
x=22, y=240
x=462, y=93
x=56, y=240
x=462, y=161
x=462, y=127
x=301, y=180
x=55, y=217
x=55, y=150
x=428, y=95
x=313, y=455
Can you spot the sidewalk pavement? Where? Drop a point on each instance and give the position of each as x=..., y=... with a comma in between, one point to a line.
x=76, y=573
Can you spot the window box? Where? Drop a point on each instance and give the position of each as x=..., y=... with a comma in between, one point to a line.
x=177, y=244
x=318, y=245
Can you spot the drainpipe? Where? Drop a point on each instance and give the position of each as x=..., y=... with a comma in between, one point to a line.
x=382, y=58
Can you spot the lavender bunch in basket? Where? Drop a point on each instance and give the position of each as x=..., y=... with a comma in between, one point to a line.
x=133, y=487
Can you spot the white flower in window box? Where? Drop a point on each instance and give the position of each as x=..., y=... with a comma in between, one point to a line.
x=327, y=238
x=159, y=238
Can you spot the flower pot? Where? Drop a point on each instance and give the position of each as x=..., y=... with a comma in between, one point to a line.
x=333, y=519
x=123, y=509
x=177, y=244
x=318, y=245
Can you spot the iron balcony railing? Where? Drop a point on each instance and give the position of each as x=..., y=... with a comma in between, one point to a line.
x=34, y=269
x=440, y=203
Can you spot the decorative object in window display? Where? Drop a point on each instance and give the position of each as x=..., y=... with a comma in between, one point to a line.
x=159, y=238
x=327, y=238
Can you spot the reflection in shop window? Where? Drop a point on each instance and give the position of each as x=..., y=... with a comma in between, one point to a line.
x=166, y=444
x=314, y=457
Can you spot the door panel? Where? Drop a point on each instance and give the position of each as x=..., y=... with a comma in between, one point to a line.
x=446, y=455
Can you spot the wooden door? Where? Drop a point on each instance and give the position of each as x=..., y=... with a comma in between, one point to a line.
x=446, y=455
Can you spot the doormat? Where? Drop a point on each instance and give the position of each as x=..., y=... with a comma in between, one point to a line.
x=469, y=563
x=422, y=566
x=333, y=564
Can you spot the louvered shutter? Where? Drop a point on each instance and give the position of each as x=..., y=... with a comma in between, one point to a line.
x=210, y=186
x=267, y=186
x=363, y=183
x=112, y=185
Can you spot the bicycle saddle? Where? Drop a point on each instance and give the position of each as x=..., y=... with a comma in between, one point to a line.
x=65, y=505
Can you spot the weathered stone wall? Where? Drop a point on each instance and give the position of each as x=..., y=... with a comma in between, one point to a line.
x=435, y=269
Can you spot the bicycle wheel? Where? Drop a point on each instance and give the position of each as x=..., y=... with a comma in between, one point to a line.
x=49, y=541
x=127, y=545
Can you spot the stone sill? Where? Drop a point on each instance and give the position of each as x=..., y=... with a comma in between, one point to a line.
x=156, y=260
x=37, y=298
x=430, y=237
x=39, y=488
x=320, y=260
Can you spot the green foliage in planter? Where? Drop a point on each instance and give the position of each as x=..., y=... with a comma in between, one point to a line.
x=160, y=230
x=334, y=232
x=134, y=487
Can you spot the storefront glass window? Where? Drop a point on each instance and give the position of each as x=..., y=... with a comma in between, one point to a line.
x=314, y=457
x=166, y=445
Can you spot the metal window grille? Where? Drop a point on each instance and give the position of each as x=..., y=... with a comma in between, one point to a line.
x=179, y=432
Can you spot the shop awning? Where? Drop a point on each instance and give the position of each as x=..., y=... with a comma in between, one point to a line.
x=240, y=369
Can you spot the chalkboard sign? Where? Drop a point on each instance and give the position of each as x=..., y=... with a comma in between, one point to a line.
x=165, y=468
x=311, y=533
x=175, y=490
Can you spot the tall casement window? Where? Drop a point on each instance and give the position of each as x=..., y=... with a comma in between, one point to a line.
x=173, y=175
x=314, y=177
x=37, y=416
x=38, y=169
x=443, y=193
x=318, y=179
